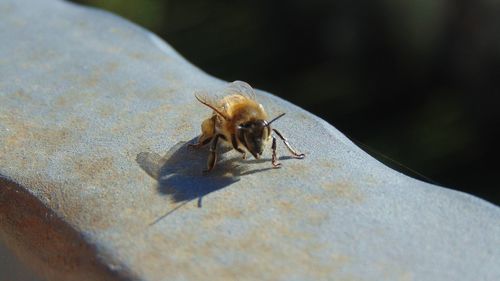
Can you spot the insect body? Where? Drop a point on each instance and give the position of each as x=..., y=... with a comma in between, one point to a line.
x=241, y=121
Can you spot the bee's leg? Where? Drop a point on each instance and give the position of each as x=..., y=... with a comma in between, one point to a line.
x=212, y=157
x=207, y=133
x=275, y=162
x=235, y=146
x=292, y=151
x=202, y=141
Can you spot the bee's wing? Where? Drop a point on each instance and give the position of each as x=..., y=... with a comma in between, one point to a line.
x=206, y=98
x=241, y=88
x=213, y=102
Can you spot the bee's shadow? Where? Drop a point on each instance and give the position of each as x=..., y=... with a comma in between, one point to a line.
x=179, y=172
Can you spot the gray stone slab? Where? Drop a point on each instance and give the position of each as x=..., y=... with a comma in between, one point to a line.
x=97, y=183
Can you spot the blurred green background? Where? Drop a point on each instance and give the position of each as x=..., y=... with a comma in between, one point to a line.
x=417, y=81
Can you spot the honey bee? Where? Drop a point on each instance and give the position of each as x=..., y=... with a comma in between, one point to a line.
x=241, y=121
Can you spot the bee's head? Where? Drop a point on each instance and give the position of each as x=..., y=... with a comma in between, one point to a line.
x=254, y=134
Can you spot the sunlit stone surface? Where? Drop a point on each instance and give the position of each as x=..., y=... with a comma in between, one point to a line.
x=96, y=182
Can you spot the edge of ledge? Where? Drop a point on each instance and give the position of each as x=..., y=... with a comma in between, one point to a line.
x=46, y=243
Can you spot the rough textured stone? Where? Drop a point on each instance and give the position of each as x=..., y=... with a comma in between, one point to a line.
x=97, y=184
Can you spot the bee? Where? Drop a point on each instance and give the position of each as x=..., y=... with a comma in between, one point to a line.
x=241, y=121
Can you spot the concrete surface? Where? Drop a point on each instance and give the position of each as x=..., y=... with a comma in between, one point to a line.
x=96, y=182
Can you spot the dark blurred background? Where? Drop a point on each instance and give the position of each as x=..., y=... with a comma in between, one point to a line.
x=416, y=81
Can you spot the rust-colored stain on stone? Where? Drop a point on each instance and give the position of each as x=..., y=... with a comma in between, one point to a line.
x=106, y=111
x=98, y=74
x=52, y=139
x=89, y=168
x=255, y=255
x=317, y=218
x=344, y=191
x=329, y=164
x=28, y=133
x=285, y=206
x=22, y=96
x=137, y=55
x=61, y=102
x=260, y=245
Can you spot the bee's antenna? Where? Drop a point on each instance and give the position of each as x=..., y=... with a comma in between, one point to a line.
x=211, y=106
x=276, y=118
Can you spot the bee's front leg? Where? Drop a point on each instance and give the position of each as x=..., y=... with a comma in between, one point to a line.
x=275, y=162
x=212, y=157
x=235, y=146
x=292, y=151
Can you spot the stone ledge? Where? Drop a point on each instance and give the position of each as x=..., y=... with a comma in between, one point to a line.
x=95, y=113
